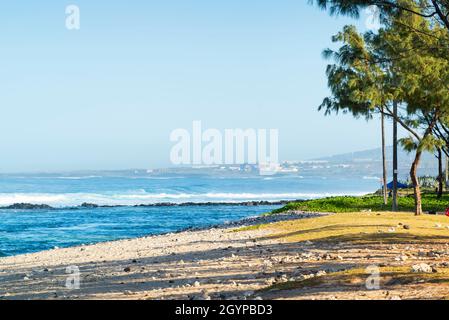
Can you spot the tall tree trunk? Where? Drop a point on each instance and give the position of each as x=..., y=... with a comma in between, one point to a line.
x=440, y=173
x=416, y=187
x=384, y=159
x=415, y=164
x=446, y=171
x=395, y=157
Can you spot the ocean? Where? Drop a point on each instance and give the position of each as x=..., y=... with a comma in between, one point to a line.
x=66, y=224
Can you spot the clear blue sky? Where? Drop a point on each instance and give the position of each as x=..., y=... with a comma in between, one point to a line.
x=108, y=96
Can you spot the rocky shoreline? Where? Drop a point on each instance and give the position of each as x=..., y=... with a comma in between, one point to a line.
x=194, y=263
x=31, y=206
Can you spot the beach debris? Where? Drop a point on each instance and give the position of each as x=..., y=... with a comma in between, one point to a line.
x=328, y=256
x=283, y=278
x=307, y=276
x=421, y=268
x=406, y=227
x=205, y=295
x=127, y=269
x=196, y=284
x=128, y=293
x=392, y=229
x=267, y=263
x=320, y=273
x=401, y=257
x=438, y=225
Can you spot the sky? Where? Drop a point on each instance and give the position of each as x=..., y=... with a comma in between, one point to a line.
x=108, y=96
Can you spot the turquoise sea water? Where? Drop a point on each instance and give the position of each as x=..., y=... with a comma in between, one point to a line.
x=25, y=231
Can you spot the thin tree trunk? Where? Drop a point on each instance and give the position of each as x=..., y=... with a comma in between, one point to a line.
x=446, y=175
x=395, y=157
x=440, y=173
x=415, y=164
x=384, y=160
x=416, y=187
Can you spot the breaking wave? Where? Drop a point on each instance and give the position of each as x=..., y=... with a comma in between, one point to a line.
x=140, y=197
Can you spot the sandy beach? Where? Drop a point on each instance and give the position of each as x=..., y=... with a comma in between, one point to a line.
x=226, y=262
x=215, y=263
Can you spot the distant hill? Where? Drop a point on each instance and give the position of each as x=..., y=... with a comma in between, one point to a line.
x=372, y=160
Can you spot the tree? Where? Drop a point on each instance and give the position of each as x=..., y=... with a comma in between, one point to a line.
x=373, y=70
x=424, y=83
x=384, y=158
x=435, y=10
x=440, y=172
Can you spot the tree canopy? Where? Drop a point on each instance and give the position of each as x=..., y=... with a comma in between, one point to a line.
x=398, y=64
x=436, y=10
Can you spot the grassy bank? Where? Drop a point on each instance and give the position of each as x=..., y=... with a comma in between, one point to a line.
x=364, y=228
x=361, y=239
x=371, y=202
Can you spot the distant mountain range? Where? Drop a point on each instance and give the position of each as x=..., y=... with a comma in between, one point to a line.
x=363, y=164
x=370, y=161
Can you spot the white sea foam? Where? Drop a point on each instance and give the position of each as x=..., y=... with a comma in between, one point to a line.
x=79, y=178
x=140, y=197
x=371, y=178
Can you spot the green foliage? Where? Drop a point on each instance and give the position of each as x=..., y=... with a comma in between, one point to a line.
x=435, y=11
x=404, y=64
x=408, y=144
x=428, y=182
x=373, y=203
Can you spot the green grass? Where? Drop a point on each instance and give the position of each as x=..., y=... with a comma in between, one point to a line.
x=371, y=202
x=363, y=228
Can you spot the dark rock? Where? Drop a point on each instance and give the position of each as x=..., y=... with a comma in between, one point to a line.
x=89, y=205
x=127, y=269
x=27, y=206
x=406, y=227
